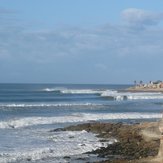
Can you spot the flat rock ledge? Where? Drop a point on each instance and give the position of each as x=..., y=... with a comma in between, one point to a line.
x=137, y=143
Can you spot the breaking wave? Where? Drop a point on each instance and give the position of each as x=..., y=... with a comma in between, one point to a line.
x=73, y=91
x=111, y=94
x=78, y=117
x=26, y=105
x=131, y=96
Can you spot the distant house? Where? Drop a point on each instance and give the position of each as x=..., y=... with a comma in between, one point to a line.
x=157, y=82
x=161, y=85
x=151, y=85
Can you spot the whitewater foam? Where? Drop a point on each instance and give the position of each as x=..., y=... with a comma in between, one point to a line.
x=18, y=105
x=74, y=118
x=110, y=93
x=65, y=143
x=73, y=91
x=132, y=96
x=57, y=89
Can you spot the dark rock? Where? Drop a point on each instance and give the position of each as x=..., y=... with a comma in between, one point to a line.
x=81, y=158
x=67, y=157
x=131, y=144
x=28, y=159
x=57, y=130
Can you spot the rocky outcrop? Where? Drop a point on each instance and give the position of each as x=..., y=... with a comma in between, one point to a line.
x=132, y=145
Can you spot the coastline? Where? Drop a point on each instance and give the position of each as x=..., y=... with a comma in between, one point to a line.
x=142, y=89
x=136, y=143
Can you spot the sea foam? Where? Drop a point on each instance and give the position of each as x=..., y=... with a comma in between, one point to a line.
x=132, y=96
x=74, y=118
x=73, y=91
x=31, y=105
x=61, y=144
x=111, y=94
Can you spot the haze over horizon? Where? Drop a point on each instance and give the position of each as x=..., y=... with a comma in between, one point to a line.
x=108, y=42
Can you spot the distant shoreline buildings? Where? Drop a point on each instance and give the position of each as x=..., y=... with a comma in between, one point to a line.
x=151, y=85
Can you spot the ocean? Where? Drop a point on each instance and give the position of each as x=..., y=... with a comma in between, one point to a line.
x=28, y=112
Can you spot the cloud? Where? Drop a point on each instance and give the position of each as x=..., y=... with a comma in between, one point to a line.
x=115, y=41
x=71, y=51
x=48, y=47
x=139, y=17
x=4, y=11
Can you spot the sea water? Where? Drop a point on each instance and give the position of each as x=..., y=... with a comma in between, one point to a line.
x=28, y=112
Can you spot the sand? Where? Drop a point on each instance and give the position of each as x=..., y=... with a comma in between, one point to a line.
x=142, y=89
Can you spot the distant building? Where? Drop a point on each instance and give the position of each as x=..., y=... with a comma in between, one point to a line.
x=151, y=85
x=161, y=85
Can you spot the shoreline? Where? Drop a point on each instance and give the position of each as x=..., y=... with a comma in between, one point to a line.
x=142, y=89
x=137, y=143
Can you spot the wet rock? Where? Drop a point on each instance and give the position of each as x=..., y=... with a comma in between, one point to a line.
x=131, y=145
x=81, y=158
x=67, y=157
x=57, y=130
x=29, y=159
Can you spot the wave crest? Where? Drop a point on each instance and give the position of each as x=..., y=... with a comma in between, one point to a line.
x=73, y=91
x=47, y=105
x=131, y=96
x=78, y=117
x=111, y=94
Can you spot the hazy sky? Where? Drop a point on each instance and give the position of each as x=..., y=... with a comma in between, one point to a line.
x=81, y=41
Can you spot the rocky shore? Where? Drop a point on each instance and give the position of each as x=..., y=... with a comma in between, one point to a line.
x=136, y=143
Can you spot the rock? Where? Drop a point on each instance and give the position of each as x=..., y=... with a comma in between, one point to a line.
x=67, y=157
x=57, y=130
x=131, y=145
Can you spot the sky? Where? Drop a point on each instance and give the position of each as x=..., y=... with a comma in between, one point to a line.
x=81, y=41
